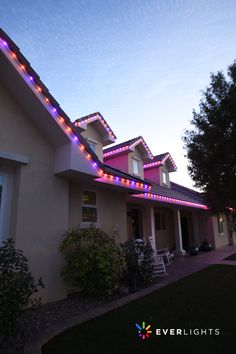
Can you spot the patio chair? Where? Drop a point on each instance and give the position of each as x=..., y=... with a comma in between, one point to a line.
x=166, y=255
x=159, y=267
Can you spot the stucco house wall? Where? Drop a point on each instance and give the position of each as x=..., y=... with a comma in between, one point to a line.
x=221, y=239
x=152, y=174
x=39, y=214
x=92, y=134
x=111, y=208
x=166, y=238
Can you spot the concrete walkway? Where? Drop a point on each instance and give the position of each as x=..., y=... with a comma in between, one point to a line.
x=180, y=268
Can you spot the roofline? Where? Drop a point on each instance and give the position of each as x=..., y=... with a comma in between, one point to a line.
x=130, y=145
x=161, y=162
x=93, y=117
x=170, y=200
x=31, y=78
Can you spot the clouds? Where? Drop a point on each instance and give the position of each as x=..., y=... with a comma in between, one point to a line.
x=140, y=62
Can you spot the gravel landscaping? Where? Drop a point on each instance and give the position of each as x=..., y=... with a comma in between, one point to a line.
x=48, y=315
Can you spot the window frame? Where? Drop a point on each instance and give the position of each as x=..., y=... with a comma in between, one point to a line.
x=92, y=206
x=165, y=173
x=6, y=202
x=92, y=142
x=136, y=160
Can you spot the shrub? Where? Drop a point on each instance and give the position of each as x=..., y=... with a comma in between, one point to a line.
x=139, y=260
x=94, y=261
x=16, y=287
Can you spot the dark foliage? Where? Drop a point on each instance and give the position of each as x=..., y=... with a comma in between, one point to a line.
x=17, y=285
x=211, y=144
x=94, y=261
x=139, y=259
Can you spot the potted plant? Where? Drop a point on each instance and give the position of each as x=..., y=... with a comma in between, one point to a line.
x=206, y=246
x=193, y=250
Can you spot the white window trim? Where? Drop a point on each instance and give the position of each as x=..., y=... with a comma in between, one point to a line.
x=6, y=203
x=166, y=173
x=86, y=224
x=93, y=141
x=139, y=167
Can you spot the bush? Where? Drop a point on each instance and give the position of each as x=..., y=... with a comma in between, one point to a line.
x=139, y=259
x=16, y=287
x=94, y=261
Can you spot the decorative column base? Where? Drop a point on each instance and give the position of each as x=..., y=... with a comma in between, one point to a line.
x=180, y=253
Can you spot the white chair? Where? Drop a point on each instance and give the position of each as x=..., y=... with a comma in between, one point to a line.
x=166, y=255
x=159, y=267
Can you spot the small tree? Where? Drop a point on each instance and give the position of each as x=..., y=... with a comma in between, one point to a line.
x=211, y=145
x=94, y=261
x=17, y=285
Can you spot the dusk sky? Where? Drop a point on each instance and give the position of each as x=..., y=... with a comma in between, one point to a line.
x=141, y=63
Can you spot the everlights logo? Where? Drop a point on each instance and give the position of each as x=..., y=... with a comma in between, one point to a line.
x=144, y=331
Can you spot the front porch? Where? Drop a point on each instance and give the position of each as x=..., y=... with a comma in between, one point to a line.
x=177, y=228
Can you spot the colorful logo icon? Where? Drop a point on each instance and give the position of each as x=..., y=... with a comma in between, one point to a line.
x=143, y=331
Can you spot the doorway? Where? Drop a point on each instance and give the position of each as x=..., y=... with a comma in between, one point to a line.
x=185, y=232
x=135, y=223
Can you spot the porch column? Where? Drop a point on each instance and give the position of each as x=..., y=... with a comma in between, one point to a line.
x=196, y=234
x=178, y=233
x=151, y=227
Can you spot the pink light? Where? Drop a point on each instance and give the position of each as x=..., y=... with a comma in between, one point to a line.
x=68, y=128
x=170, y=200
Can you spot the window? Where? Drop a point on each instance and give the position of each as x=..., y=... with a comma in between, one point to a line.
x=92, y=145
x=6, y=190
x=136, y=167
x=89, y=207
x=220, y=222
x=1, y=186
x=160, y=221
x=164, y=178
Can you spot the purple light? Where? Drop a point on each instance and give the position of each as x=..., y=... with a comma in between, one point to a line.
x=54, y=110
x=95, y=164
x=31, y=78
x=76, y=138
x=133, y=183
x=117, y=179
x=5, y=44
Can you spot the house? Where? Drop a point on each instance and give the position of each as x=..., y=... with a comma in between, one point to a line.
x=56, y=175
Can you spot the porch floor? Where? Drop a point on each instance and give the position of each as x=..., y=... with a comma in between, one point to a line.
x=186, y=265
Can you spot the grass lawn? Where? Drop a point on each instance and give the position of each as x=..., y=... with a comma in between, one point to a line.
x=232, y=257
x=206, y=299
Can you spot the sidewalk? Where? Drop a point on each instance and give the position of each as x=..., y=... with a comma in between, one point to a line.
x=180, y=268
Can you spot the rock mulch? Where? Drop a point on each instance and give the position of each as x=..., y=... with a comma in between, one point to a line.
x=47, y=316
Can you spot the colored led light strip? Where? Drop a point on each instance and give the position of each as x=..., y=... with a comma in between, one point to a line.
x=115, y=151
x=94, y=118
x=152, y=164
x=158, y=163
x=59, y=119
x=164, y=199
x=123, y=148
x=123, y=181
x=144, y=144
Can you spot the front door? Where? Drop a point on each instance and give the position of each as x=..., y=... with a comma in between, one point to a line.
x=135, y=219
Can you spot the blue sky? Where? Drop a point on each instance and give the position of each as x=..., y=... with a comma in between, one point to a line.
x=141, y=63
